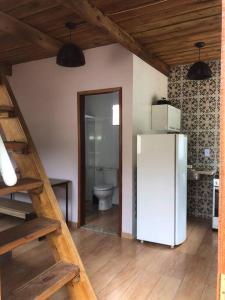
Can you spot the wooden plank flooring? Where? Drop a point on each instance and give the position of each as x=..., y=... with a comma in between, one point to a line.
x=128, y=270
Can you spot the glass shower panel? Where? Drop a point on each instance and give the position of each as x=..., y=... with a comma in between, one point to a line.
x=89, y=155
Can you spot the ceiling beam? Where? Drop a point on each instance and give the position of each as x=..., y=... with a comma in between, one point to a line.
x=13, y=26
x=94, y=16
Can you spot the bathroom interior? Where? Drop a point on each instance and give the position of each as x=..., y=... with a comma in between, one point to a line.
x=101, y=149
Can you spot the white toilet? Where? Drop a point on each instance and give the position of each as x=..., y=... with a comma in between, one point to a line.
x=104, y=194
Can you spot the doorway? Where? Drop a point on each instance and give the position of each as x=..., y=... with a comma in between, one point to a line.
x=100, y=160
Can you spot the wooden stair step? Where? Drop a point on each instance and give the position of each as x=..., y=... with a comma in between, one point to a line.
x=16, y=208
x=23, y=184
x=47, y=283
x=7, y=109
x=20, y=147
x=26, y=232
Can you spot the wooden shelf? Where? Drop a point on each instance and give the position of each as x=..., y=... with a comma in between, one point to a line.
x=25, y=233
x=23, y=184
x=47, y=283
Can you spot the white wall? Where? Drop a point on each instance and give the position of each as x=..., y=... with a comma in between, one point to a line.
x=148, y=86
x=47, y=95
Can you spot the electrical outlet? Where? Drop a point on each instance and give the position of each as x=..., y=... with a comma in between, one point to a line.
x=207, y=152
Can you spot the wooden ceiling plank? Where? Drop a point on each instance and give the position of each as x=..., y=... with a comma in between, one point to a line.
x=182, y=44
x=185, y=47
x=190, y=61
x=148, y=23
x=15, y=27
x=50, y=18
x=186, y=54
x=167, y=9
x=95, y=17
x=85, y=36
x=31, y=8
x=179, y=29
x=215, y=53
x=110, y=7
x=199, y=36
x=7, y=5
x=190, y=51
x=9, y=42
x=24, y=54
x=138, y=7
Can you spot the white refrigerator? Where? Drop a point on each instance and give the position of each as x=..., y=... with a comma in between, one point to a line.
x=162, y=188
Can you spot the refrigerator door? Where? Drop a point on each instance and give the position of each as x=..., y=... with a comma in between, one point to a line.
x=156, y=188
x=181, y=188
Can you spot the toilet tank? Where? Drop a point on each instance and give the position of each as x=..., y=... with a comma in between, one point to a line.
x=111, y=176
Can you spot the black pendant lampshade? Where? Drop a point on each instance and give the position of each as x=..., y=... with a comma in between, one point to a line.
x=199, y=70
x=70, y=55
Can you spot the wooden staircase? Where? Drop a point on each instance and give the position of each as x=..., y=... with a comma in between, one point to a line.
x=68, y=269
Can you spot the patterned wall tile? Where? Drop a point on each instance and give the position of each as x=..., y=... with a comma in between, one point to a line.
x=176, y=73
x=207, y=87
x=192, y=155
x=190, y=105
x=207, y=121
x=199, y=102
x=189, y=122
x=176, y=102
x=206, y=138
x=189, y=88
x=174, y=89
x=207, y=104
x=192, y=139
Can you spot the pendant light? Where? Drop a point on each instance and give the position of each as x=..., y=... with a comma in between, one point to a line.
x=199, y=70
x=70, y=55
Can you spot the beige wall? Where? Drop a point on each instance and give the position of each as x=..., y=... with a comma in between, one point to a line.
x=47, y=95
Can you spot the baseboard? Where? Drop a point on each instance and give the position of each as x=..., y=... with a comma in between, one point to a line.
x=73, y=225
x=126, y=235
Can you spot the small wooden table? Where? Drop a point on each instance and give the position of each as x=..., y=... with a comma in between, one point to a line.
x=54, y=183
x=63, y=182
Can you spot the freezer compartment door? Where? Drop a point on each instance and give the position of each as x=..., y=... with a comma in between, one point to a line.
x=156, y=188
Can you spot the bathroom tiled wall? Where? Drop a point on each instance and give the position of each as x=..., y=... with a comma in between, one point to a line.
x=199, y=103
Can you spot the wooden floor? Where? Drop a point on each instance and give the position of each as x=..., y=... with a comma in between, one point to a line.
x=128, y=270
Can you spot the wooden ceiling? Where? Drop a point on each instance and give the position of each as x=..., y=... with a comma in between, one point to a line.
x=163, y=30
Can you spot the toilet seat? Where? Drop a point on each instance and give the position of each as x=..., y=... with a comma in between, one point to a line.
x=103, y=187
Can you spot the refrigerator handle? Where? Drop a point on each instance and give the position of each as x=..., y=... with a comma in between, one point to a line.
x=138, y=144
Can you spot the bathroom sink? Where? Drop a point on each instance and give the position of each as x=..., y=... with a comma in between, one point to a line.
x=195, y=174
